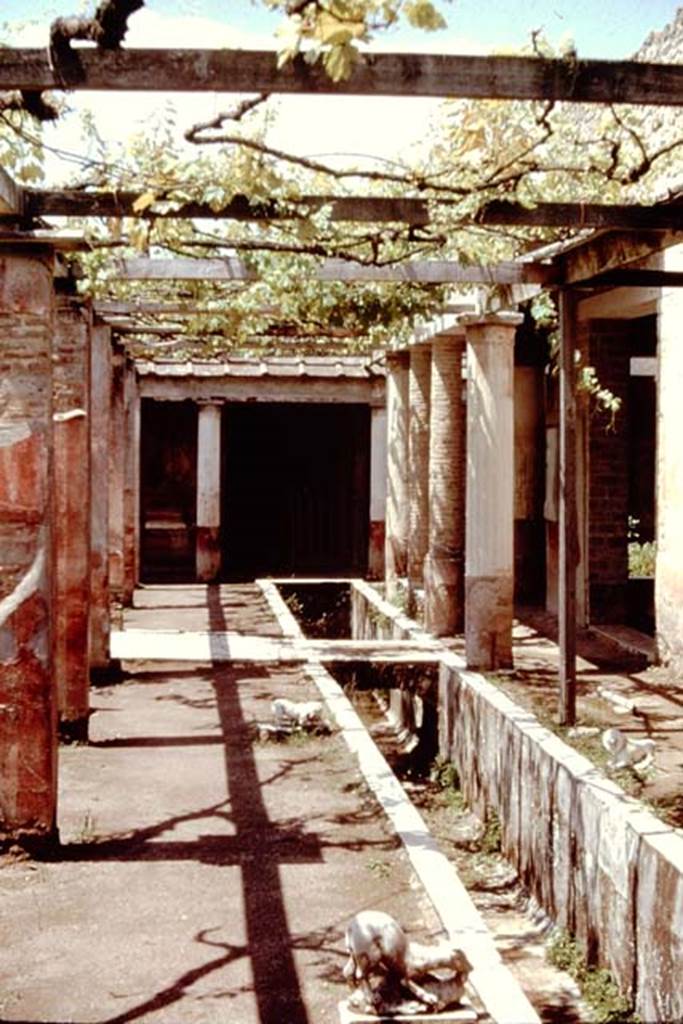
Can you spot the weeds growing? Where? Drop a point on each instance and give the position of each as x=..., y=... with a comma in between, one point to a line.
x=598, y=988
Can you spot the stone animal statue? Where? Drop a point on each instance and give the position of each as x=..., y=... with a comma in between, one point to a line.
x=298, y=714
x=385, y=968
x=627, y=753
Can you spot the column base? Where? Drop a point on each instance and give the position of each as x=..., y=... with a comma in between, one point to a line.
x=32, y=843
x=488, y=622
x=208, y=553
x=376, y=549
x=107, y=675
x=444, y=595
x=395, y=563
x=73, y=730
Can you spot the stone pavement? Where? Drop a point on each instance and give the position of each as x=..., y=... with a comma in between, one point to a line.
x=204, y=876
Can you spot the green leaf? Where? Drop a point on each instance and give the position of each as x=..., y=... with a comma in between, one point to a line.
x=423, y=14
x=144, y=201
x=339, y=61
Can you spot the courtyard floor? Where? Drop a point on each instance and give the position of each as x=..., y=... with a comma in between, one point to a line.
x=206, y=875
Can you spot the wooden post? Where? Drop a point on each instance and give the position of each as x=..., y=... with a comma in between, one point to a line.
x=567, y=511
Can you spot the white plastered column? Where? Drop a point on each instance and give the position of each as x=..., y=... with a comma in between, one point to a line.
x=489, y=526
x=419, y=387
x=669, y=567
x=208, y=550
x=397, y=511
x=444, y=563
x=378, y=491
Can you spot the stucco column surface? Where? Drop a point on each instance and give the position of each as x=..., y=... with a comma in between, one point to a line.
x=28, y=737
x=208, y=552
x=72, y=520
x=419, y=386
x=489, y=530
x=397, y=510
x=669, y=470
x=116, y=436
x=131, y=483
x=444, y=563
x=378, y=491
x=100, y=388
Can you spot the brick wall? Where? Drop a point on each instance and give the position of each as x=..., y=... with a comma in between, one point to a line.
x=608, y=350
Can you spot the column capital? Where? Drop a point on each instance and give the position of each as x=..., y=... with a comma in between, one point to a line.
x=506, y=318
x=397, y=356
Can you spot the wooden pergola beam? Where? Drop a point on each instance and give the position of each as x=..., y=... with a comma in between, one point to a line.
x=383, y=74
x=636, y=278
x=611, y=251
x=362, y=209
x=429, y=272
x=11, y=196
x=568, y=520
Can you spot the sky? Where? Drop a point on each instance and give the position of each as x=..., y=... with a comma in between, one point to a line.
x=600, y=28
x=367, y=128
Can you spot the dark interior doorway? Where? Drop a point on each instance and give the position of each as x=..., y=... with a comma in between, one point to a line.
x=642, y=453
x=295, y=489
x=168, y=490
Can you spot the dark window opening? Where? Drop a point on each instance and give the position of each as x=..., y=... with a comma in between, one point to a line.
x=168, y=490
x=295, y=489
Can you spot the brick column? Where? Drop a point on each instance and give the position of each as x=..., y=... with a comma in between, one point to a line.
x=72, y=519
x=397, y=511
x=669, y=569
x=378, y=491
x=28, y=735
x=131, y=483
x=208, y=552
x=489, y=562
x=100, y=407
x=116, y=476
x=419, y=383
x=444, y=567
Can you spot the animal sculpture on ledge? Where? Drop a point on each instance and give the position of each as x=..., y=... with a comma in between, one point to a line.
x=291, y=716
x=391, y=974
x=627, y=753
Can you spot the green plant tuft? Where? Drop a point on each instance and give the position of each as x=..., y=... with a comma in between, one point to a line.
x=491, y=840
x=597, y=985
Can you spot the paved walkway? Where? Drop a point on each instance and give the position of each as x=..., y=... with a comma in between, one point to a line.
x=204, y=876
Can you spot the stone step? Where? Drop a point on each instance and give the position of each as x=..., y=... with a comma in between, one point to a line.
x=203, y=646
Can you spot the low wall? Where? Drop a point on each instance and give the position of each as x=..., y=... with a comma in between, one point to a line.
x=598, y=863
x=373, y=618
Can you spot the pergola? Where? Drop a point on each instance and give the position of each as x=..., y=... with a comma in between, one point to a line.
x=625, y=235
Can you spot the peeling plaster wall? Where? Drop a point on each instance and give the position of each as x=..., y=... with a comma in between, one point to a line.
x=597, y=862
x=27, y=710
x=71, y=375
